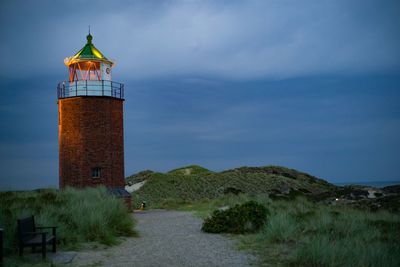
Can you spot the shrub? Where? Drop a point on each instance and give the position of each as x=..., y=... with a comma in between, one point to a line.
x=246, y=218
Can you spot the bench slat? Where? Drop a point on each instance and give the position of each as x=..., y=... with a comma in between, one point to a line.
x=37, y=240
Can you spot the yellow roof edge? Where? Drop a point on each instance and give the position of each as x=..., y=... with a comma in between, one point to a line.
x=72, y=60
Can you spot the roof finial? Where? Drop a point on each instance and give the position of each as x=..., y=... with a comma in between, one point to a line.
x=89, y=37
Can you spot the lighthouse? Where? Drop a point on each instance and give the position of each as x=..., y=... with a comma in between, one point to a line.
x=90, y=123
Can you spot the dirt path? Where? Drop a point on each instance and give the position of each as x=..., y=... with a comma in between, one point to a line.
x=168, y=238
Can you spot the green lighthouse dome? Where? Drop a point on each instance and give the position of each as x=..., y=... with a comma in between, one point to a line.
x=88, y=53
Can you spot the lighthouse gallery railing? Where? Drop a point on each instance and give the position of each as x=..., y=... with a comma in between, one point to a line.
x=67, y=89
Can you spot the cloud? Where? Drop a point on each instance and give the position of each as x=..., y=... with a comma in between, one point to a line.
x=212, y=82
x=226, y=39
x=348, y=129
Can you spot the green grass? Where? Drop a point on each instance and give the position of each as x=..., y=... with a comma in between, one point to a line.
x=331, y=236
x=190, y=170
x=86, y=215
x=346, y=237
x=182, y=186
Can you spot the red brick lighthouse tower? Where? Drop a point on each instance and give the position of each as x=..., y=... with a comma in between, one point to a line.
x=90, y=125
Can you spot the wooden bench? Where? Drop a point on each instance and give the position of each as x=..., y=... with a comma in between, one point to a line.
x=30, y=235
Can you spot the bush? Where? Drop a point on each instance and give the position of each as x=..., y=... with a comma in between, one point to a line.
x=246, y=218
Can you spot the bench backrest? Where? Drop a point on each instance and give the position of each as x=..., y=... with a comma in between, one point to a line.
x=25, y=225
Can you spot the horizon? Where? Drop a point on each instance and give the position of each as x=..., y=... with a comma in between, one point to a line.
x=311, y=86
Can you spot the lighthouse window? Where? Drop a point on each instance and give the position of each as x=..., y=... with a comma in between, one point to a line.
x=96, y=172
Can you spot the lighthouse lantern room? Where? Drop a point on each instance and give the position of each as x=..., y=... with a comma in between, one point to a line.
x=89, y=73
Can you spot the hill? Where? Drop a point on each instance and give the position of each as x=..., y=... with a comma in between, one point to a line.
x=193, y=182
x=190, y=170
x=138, y=177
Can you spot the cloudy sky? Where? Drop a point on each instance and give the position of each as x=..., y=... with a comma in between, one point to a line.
x=311, y=85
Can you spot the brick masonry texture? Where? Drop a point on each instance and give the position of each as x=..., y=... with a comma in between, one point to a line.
x=90, y=136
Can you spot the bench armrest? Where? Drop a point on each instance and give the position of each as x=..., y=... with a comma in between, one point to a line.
x=34, y=233
x=48, y=227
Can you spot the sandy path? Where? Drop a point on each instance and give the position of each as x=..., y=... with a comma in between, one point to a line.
x=168, y=238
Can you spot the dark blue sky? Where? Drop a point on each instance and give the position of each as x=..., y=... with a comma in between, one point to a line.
x=311, y=85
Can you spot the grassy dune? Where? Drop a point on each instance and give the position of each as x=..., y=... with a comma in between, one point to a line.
x=194, y=183
x=89, y=215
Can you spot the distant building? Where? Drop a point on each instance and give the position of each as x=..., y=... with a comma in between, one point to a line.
x=90, y=124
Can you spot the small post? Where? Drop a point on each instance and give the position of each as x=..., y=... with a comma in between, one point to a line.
x=43, y=245
x=62, y=90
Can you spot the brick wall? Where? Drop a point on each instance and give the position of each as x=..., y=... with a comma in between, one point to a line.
x=91, y=135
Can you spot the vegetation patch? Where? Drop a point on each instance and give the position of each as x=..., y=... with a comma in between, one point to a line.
x=194, y=183
x=248, y=217
x=190, y=170
x=321, y=235
x=81, y=215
